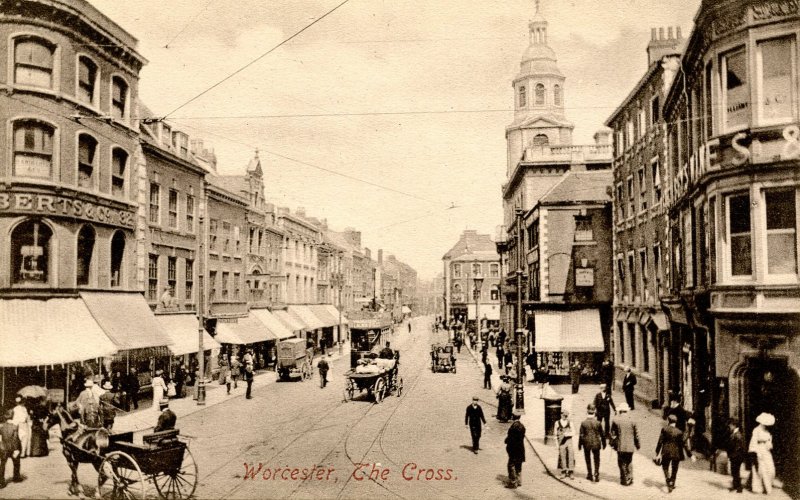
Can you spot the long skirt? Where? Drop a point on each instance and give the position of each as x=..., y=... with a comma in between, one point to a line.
x=763, y=473
x=504, y=407
x=38, y=440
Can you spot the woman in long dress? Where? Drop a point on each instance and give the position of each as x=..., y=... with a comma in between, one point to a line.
x=159, y=389
x=39, y=432
x=761, y=445
x=504, y=406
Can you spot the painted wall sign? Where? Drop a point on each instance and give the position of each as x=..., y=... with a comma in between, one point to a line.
x=584, y=276
x=45, y=204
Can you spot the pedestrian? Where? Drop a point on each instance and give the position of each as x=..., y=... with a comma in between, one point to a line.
x=225, y=375
x=131, y=387
x=575, y=376
x=515, y=447
x=236, y=370
x=323, y=368
x=247, y=359
x=625, y=439
x=180, y=380
x=500, y=356
x=409, y=326
x=89, y=405
x=607, y=371
x=248, y=377
x=674, y=407
x=530, y=360
x=474, y=419
x=591, y=439
x=501, y=337
x=159, y=388
x=511, y=372
x=628, y=385
x=22, y=420
x=566, y=451
x=504, y=403
x=487, y=375
x=508, y=357
x=484, y=352
x=10, y=448
x=669, y=451
x=603, y=404
x=761, y=445
x=737, y=453
x=457, y=340
x=108, y=412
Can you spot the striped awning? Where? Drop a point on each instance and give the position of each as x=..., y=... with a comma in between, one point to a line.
x=308, y=318
x=127, y=320
x=569, y=331
x=288, y=320
x=245, y=330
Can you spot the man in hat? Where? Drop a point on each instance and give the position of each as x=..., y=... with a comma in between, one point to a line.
x=21, y=418
x=515, y=447
x=674, y=407
x=575, y=370
x=10, y=448
x=89, y=405
x=248, y=377
x=625, y=439
x=566, y=452
x=603, y=404
x=591, y=439
x=671, y=445
x=108, y=412
x=323, y=368
x=166, y=419
x=628, y=385
x=474, y=419
x=487, y=375
x=130, y=385
x=737, y=453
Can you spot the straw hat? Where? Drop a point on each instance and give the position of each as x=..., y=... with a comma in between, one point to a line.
x=766, y=419
x=107, y=385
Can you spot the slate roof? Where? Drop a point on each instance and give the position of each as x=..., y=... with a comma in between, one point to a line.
x=471, y=242
x=580, y=187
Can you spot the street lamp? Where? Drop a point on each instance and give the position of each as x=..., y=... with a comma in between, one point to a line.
x=478, y=283
x=520, y=327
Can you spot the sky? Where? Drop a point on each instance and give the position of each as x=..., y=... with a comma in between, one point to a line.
x=416, y=93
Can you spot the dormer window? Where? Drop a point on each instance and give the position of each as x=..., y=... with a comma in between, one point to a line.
x=166, y=135
x=180, y=142
x=87, y=79
x=523, y=98
x=119, y=98
x=33, y=63
x=539, y=94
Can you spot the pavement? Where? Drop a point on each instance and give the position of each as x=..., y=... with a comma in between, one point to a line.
x=695, y=479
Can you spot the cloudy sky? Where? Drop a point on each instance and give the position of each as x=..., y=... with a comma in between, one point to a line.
x=416, y=93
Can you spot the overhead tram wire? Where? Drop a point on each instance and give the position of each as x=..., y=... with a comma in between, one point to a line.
x=297, y=33
x=190, y=21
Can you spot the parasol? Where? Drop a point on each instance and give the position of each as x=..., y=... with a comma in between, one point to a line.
x=33, y=391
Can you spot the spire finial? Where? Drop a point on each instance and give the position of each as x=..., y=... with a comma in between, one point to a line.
x=537, y=6
x=256, y=152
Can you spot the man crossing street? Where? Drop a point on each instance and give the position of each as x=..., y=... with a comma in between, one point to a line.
x=474, y=419
x=323, y=367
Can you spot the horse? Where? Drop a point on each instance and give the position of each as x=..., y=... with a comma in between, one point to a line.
x=79, y=443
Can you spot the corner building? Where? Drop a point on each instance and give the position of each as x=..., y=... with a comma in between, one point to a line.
x=734, y=171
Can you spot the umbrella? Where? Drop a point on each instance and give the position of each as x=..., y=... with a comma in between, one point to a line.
x=33, y=391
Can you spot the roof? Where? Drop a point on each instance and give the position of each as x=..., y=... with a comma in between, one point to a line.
x=236, y=184
x=469, y=242
x=580, y=187
x=478, y=256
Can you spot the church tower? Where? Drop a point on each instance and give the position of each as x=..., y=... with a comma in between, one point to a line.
x=538, y=98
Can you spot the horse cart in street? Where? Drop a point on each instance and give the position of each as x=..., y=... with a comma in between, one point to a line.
x=125, y=470
x=294, y=361
x=379, y=377
x=443, y=358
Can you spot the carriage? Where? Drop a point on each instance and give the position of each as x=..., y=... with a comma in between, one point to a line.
x=443, y=358
x=379, y=377
x=294, y=360
x=124, y=468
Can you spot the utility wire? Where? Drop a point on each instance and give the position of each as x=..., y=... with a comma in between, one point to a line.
x=166, y=46
x=297, y=33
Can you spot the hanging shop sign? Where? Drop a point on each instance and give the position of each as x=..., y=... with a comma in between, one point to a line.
x=54, y=205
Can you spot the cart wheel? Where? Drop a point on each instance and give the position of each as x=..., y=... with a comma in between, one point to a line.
x=378, y=389
x=119, y=476
x=400, y=387
x=180, y=483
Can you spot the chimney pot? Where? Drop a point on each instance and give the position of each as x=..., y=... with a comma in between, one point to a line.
x=652, y=33
x=678, y=33
x=669, y=33
x=661, y=33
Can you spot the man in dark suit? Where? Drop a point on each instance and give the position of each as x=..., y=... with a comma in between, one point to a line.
x=671, y=445
x=10, y=448
x=487, y=375
x=591, y=438
x=737, y=453
x=166, y=419
x=625, y=439
x=674, y=407
x=130, y=384
x=603, y=404
x=515, y=447
x=628, y=385
x=575, y=376
x=474, y=419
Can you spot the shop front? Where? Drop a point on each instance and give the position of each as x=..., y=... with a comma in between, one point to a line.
x=562, y=337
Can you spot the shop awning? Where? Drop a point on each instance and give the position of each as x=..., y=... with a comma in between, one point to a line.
x=335, y=313
x=47, y=332
x=182, y=329
x=321, y=311
x=245, y=330
x=569, y=331
x=127, y=319
x=272, y=324
x=406, y=310
x=490, y=312
x=659, y=320
x=288, y=320
x=304, y=314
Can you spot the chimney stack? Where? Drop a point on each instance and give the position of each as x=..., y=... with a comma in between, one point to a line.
x=661, y=46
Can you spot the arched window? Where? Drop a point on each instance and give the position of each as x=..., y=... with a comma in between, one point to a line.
x=87, y=160
x=86, y=238
x=557, y=95
x=33, y=62
x=30, y=253
x=523, y=98
x=119, y=164
x=117, y=258
x=87, y=80
x=540, y=140
x=539, y=94
x=119, y=98
x=33, y=149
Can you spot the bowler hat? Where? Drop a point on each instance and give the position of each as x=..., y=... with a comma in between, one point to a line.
x=164, y=403
x=672, y=419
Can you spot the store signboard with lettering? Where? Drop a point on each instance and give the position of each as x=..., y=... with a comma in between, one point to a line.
x=54, y=205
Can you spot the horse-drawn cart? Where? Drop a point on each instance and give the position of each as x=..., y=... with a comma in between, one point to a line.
x=124, y=468
x=443, y=358
x=379, y=377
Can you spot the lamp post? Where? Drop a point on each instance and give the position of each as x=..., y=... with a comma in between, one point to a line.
x=202, y=304
x=337, y=280
x=476, y=292
x=520, y=329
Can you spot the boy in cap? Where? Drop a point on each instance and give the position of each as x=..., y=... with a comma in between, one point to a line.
x=592, y=439
x=566, y=452
x=474, y=419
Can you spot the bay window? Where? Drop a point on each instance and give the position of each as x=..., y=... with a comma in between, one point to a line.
x=739, y=235
x=780, y=207
x=776, y=74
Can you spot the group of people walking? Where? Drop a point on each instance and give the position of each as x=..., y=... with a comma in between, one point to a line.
x=514, y=441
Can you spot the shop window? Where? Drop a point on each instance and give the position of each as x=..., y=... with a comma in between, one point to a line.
x=87, y=80
x=172, y=208
x=30, y=253
x=152, y=277
x=523, y=98
x=34, y=62
x=740, y=242
x=119, y=164
x=33, y=149
x=237, y=286
x=189, y=279
x=494, y=294
x=86, y=238
x=776, y=72
x=87, y=160
x=155, y=202
x=557, y=95
x=736, y=89
x=539, y=94
x=119, y=98
x=781, y=231
x=117, y=255
x=583, y=228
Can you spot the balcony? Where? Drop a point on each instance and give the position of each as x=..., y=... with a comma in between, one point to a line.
x=568, y=154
